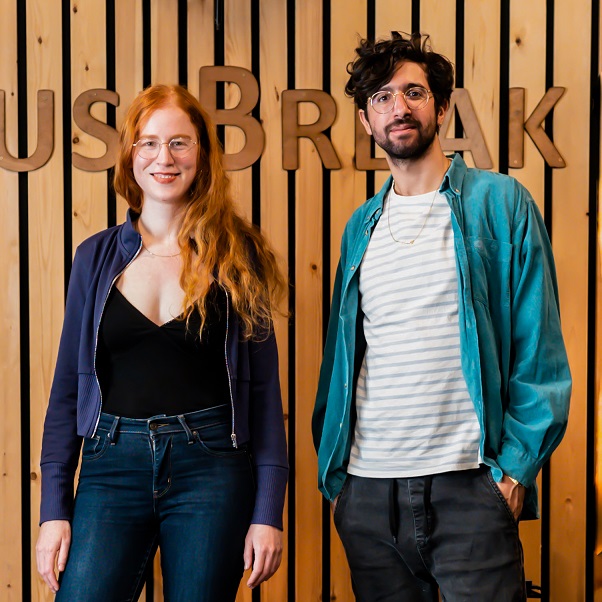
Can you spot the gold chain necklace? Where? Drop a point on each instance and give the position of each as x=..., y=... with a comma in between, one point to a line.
x=409, y=242
x=157, y=254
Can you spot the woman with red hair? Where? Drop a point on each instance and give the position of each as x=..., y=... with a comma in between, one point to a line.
x=168, y=372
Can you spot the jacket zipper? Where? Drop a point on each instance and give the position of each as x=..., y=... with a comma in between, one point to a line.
x=233, y=434
x=98, y=332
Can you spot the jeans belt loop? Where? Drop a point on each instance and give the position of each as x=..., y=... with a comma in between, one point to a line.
x=113, y=430
x=189, y=434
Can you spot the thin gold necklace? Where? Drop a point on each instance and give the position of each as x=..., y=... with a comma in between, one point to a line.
x=157, y=254
x=411, y=242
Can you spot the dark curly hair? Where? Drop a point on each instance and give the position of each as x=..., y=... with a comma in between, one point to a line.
x=377, y=62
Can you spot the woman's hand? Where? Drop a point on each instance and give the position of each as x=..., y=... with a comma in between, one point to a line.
x=53, y=547
x=263, y=551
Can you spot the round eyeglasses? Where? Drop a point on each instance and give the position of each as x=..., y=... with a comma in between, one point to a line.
x=415, y=98
x=149, y=148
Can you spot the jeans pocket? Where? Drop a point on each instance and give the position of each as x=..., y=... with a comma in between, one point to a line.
x=215, y=440
x=501, y=500
x=337, y=511
x=95, y=447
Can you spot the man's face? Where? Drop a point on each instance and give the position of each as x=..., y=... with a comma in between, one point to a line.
x=403, y=133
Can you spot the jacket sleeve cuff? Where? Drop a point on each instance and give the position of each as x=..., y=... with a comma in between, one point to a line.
x=518, y=465
x=57, y=492
x=269, y=501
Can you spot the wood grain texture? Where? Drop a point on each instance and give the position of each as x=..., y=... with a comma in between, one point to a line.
x=482, y=69
x=237, y=30
x=308, y=309
x=128, y=67
x=164, y=42
x=88, y=70
x=10, y=432
x=46, y=243
x=347, y=192
x=200, y=40
x=274, y=210
x=570, y=242
x=598, y=379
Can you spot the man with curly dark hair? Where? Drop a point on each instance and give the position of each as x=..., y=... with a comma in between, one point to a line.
x=445, y=384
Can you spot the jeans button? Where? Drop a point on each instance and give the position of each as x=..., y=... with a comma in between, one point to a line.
x=153, y=426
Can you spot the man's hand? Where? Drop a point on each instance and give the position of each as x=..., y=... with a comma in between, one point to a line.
x=514, y=494
x=53, y=547
x=263, y=551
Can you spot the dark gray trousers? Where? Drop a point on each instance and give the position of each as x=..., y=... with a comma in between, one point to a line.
x=408, y=539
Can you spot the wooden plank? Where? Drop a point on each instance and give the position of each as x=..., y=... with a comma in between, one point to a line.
x=164, y=42
x=274, y=209
x=10, y=416
x=46, y=241
x=391, y=15
x=88, y=71
x=348, y=191
x=527, y=70
x=128, y=66
x=570, y=241
x=308, y=309
x=237, y=52
x=435, y=19
x=598, y=385
x=482, y=69
x=200, y=40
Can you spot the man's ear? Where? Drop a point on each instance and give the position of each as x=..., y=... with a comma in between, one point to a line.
x=443, y=108
x=365, y=121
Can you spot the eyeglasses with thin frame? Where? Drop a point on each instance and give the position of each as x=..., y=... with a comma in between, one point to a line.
x=149, y=148
x=416, y=98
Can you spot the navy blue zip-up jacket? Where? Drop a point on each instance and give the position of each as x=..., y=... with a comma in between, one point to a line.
x=75, y=397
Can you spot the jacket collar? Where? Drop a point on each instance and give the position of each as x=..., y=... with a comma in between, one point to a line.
x=128, y=236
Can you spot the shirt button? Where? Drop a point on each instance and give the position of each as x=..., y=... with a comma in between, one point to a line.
x=352, y=268
x=345, y=385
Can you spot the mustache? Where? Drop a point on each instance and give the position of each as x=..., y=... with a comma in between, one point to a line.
x=403, y=121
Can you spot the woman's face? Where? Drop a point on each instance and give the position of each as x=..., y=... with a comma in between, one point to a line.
x=167, y=177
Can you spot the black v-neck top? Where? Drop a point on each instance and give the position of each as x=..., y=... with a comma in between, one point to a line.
x=146, y=370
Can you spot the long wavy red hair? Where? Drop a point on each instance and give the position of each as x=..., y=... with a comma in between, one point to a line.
x=216, y=242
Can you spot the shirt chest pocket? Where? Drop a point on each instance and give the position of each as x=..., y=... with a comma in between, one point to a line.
x=490, y=262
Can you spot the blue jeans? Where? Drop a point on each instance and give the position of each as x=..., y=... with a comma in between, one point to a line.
x=407, y=540
x=175, y=482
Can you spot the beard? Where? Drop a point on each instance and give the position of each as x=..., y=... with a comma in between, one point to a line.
x=422, y=140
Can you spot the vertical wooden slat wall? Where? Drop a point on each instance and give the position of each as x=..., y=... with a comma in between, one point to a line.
x=527, y=70
x=69, y=47
x=273, y=208
x=10, y=408
x=45, y=233
x=308, y=292
x=569, y=233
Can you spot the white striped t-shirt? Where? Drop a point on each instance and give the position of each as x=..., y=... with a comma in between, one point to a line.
x=414, y=413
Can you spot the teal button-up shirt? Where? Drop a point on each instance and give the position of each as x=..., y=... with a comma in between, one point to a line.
x=512, y=352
